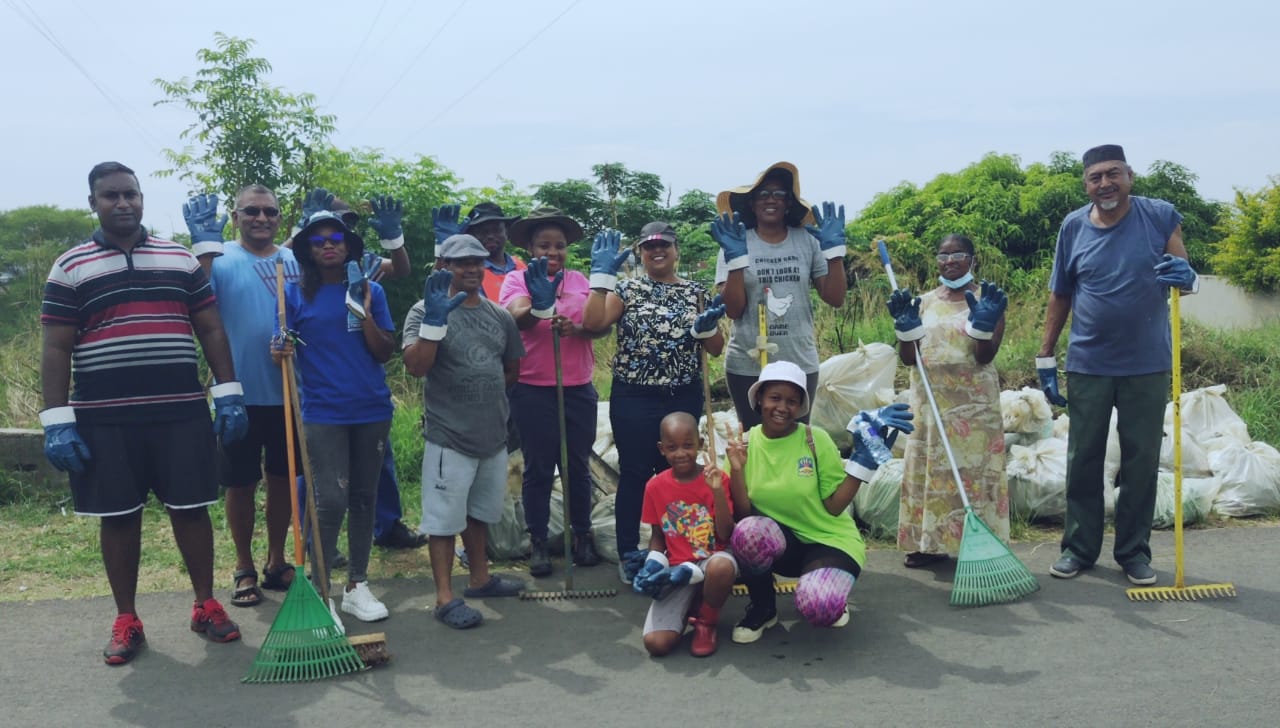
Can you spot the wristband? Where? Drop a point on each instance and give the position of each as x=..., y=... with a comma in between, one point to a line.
x=607, y=281
x=1046, y=362
x=659, y=557
x=912, y=335
x=432, y=333
x=859, y=471
x=226, y=388
x=977, y=333
x=1195, y=286
x=742, y=261
x=693, y=331
x=393, y=244
x=208, y=247
x=64, y=415
x=697, y=576
x=838, y=251
x=543, y=313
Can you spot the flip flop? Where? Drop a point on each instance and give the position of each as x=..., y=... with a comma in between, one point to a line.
x=495, y=587
x=458, y=615
x=274, y=580
x=246, y=596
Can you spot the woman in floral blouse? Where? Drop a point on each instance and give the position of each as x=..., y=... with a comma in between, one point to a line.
x=656, y=370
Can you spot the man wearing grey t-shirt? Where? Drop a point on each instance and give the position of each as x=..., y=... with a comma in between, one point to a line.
x=468, y=349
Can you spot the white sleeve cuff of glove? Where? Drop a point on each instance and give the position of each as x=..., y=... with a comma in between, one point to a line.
x=208, y=247
x=432, y=333
x=395, y=244
x=840, y=251
x=606, y=281
x=742, y=261
x=1193, y=288
x=859, y=471
x=436, y=252
x=543, y=313
x=659, y=557
x=913, y=335
x=226, y=388
x=1046, y=362
x=65, y=415
x=978, y=334
x=697, y=576
x=695, y=333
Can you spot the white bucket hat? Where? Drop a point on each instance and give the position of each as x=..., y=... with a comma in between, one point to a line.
x=781, y=371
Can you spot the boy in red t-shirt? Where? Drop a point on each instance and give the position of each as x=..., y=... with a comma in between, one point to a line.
x=687, y=572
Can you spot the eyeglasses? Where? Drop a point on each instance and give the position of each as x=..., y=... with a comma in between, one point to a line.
x=953, y=257
x=255, y=211
x=335, y=238
x=774, y=194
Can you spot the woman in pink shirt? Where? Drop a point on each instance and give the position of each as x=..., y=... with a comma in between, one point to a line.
x=543, y=296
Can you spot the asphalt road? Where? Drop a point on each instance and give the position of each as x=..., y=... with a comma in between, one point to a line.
x=1075, y=653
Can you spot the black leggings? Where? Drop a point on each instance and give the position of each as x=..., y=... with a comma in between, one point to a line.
x=799, y=558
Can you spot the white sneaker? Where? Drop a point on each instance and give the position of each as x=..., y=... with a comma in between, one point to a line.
x=363, y=605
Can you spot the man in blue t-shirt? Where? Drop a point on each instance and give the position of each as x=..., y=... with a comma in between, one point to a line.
x=1115, y=260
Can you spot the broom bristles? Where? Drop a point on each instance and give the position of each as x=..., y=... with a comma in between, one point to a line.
x=987, y=572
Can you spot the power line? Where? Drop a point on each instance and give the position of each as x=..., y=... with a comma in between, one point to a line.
x=440, y=114
x=360, y=48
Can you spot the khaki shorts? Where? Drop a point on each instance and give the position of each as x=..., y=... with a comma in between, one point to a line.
x=671, y=613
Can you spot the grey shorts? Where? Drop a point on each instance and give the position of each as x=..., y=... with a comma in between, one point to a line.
x=455, y=486
x=671, y=613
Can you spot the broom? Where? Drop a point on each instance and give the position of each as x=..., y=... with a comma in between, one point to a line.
x=568, y=592
x=987, y=572
x=1179, y=591
x=304, y=643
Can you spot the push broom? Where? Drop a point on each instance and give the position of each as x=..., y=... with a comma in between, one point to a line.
x=568, y=592
x=304, y=642
x=987, y=572
x=1179, y=591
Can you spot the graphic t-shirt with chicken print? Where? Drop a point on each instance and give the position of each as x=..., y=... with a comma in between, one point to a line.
x=686, y=514
x=779, y=276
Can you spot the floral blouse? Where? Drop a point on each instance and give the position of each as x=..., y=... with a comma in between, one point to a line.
x=655, y=347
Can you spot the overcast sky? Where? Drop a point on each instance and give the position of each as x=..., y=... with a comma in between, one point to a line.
x=860, y=95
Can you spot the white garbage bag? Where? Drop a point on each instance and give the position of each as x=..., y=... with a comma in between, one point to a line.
x=1037, y=475
x=1195, y=461
x=724, y=422
x=1250, y=477
x=1026, y=411
x=1208, y=418
x=1197, y=499
x=851, y=382
x=878, y=501
x=605, y=529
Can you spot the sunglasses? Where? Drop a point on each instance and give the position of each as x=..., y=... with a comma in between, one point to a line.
x=655, y=244
x=320, y=240
x=255, y=211
x=953, y=257
x=772, y=194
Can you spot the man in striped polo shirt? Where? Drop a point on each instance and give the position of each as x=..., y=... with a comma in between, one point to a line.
x=118, y=312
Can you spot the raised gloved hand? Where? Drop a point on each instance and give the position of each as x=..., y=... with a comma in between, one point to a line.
x=315, y=201
x=706, y=324
x=385, y=221
x=542, y=291
x=62, y=444
x=444, y=223
x=1176, y=272
x=829, y=231
x=905, y=311
x=731, y=234
x=1047, y=370
x=204, y=225
x=438, y=304
x=230, y=420
x=606, y=261
x=985, y=314
x=655, y=562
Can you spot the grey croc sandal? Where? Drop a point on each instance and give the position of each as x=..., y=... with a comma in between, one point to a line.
x=458, y=615
x=495, y=587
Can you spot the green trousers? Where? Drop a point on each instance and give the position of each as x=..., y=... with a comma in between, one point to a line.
x=1139, y=402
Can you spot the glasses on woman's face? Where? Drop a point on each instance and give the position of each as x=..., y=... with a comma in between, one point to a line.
x=256, y=211
x=771, y=194
x=337, y=239
x=953, y=257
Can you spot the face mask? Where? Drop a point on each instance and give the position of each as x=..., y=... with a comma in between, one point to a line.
x=960, y=282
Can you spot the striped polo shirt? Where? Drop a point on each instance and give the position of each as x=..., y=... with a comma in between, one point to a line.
x=135, y=356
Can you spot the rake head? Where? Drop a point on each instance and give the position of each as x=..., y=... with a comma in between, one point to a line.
x=1180, y=593
x=304, y=643
x=987, y=572
x=549, y=596
x=779, y=587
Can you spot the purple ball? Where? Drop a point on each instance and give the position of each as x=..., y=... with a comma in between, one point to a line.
x=756, y=542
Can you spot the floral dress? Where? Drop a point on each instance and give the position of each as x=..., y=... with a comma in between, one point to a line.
x=931, y=515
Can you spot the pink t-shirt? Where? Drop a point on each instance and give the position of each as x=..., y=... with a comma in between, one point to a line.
x=578, y=357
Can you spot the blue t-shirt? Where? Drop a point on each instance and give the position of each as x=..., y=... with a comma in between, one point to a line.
x=342, y=384
x=246, y=288
x=1119, y=313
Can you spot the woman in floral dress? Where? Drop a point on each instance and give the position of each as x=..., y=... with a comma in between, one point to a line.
x=656, y=370
x=962, y=329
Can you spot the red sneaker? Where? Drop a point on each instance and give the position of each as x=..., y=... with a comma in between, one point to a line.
x=704, y=636
x=126, y=639
x=211, y=619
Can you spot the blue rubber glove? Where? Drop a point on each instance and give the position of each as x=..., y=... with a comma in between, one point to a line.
x=984, y=315
x=542, y=292
x=706, y=324
x=606, y=261
x=654, y=563
x=731, y=234
x=371, y=264
x=444, y=223
x=1047, y=370
x=62, y=444
x=438, y=304
x=632, y=561
x=204, y=225
x=385, y=221
x=905, y=311
x=829, y=231
x=1176, y=272
x=874, y=432
x=315, y=201
x=671, y=578
x=356, y=281
x=891, y=419
x=230, y=420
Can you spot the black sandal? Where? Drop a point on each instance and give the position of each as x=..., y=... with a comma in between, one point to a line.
x=246, y=596
x=273, y=579
x=916, y=559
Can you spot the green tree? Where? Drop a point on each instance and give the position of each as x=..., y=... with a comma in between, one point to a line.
x=1175, y=183
x=245, y=130
x=1249, y=252
x=30, y=239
